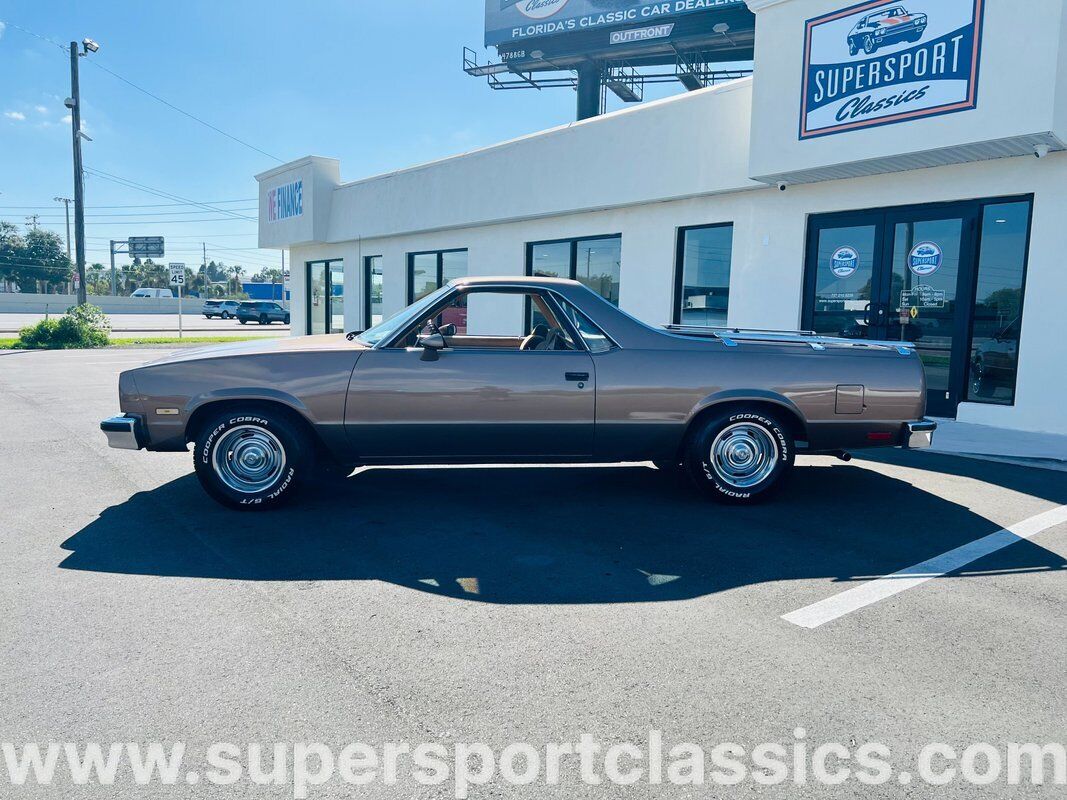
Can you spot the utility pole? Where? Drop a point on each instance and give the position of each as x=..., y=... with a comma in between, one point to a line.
x=74, y=104
x=31, y=220
x=66, y=201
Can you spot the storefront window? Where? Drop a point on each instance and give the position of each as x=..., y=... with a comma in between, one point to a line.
x=432, y=270
x=997, y=323
x=594, y=262
x=703, y=280
x=372, y=290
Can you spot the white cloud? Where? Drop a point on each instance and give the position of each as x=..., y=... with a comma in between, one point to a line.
x=68, y=119
x=2, y=27
x=41, y=109
x=15, y=115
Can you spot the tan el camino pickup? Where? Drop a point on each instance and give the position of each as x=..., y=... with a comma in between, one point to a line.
x=521, y=370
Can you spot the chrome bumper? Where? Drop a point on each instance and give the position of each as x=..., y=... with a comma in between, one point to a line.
x=920, y=434
x=123, y=433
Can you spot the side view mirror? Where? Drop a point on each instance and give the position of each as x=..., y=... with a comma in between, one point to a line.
x=430, y=344
x=432, y=341
x=448, y=330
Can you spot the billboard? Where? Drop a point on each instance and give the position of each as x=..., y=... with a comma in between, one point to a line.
x=885, y=61
x=508, y=21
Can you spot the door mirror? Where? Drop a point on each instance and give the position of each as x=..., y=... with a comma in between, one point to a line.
x=448, y=330
x=430, y=344
x=432, y=341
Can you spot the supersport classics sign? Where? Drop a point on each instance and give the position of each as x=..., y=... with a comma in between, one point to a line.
x=884, y=62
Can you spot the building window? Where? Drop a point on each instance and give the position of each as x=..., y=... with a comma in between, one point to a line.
x=998, y=303
x=594, y=262
x=702, y=278
x=326, y=296
x=432, y=270
x=372, y=291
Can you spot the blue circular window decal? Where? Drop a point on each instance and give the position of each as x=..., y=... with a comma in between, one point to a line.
x=844, y=262
x=925, y=258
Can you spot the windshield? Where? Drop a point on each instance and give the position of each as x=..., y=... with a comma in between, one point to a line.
x=387, y=327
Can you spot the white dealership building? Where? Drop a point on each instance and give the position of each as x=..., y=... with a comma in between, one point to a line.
x=870, y=181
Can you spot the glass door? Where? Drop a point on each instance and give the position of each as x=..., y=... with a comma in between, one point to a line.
x=844, y=254
x=898, y=275
x=325, y=297
x=318, y=297
x=930, y=260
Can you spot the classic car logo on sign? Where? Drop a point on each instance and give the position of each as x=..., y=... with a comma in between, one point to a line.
x=540, y=9
x=844, y=262
x=925, y=259
x=880, y=63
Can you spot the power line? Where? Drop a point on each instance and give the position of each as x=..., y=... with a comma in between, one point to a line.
x=193, y=117
x=147, y=214
x=155, y=97
x=127, y=182
x=145, y=205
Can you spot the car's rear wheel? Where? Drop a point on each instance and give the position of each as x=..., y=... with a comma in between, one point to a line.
x=286, y=319
x=251, y=460
x=225, y=314
x=243, y=321
x=740, y=456
x=264, y=319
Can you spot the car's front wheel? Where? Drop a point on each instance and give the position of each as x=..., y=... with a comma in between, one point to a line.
x=264, y=319
x=870, y=46
x=740, y=456
x=225, y=314
x=853, y=48
x=250, y=460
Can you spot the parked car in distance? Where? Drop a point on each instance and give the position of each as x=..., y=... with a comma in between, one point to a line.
x=552, y=373
x=262, y=311
x=885, y=27
x=153, y=293
x=223, y=309
x=993, y=363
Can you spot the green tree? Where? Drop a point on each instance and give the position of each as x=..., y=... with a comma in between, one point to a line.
x=268, y=275
x=36, y=261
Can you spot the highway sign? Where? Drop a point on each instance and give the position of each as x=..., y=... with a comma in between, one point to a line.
x=146, y=246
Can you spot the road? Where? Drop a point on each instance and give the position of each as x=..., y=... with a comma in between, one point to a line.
x=156, y=325
x=526, y=604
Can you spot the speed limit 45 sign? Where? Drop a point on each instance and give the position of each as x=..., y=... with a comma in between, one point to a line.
x=177, y=274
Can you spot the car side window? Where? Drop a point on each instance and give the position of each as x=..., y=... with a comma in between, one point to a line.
x=479, y=319
x=595, y=339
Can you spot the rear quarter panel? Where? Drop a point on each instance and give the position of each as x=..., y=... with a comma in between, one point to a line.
x=646, y=399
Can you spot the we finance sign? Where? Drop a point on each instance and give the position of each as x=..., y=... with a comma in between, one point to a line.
x=285, y=202
x=884, y=62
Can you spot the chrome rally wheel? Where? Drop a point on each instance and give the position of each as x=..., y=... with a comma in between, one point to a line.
x=744, y=454
x=249, y=459
x=741, y=454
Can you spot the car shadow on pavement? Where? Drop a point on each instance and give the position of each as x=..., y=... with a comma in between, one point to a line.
x=545, y=534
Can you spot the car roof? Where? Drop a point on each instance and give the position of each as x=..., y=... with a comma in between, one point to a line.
x=512, y=280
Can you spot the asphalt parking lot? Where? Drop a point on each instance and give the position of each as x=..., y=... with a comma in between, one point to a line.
x=525, y=604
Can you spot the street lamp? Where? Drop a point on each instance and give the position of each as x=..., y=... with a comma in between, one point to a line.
x=74, y=104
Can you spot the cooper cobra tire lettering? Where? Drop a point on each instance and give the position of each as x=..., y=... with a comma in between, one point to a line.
x=295, y=450
x=703, y=472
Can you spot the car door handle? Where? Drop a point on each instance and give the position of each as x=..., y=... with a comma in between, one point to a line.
x=577, y=376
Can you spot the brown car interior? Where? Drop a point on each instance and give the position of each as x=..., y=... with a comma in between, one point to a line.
x=545, y=332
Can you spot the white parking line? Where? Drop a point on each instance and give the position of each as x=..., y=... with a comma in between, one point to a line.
x=879, y=589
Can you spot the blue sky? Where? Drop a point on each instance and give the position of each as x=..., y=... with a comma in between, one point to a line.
x=378, y=85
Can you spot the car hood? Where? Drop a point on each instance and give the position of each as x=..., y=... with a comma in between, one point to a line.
x=291, y=344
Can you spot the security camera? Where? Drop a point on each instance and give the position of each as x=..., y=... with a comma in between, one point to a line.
x=69, y=102
x=782, y=186
x=1041, y=150
x=90, y=46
